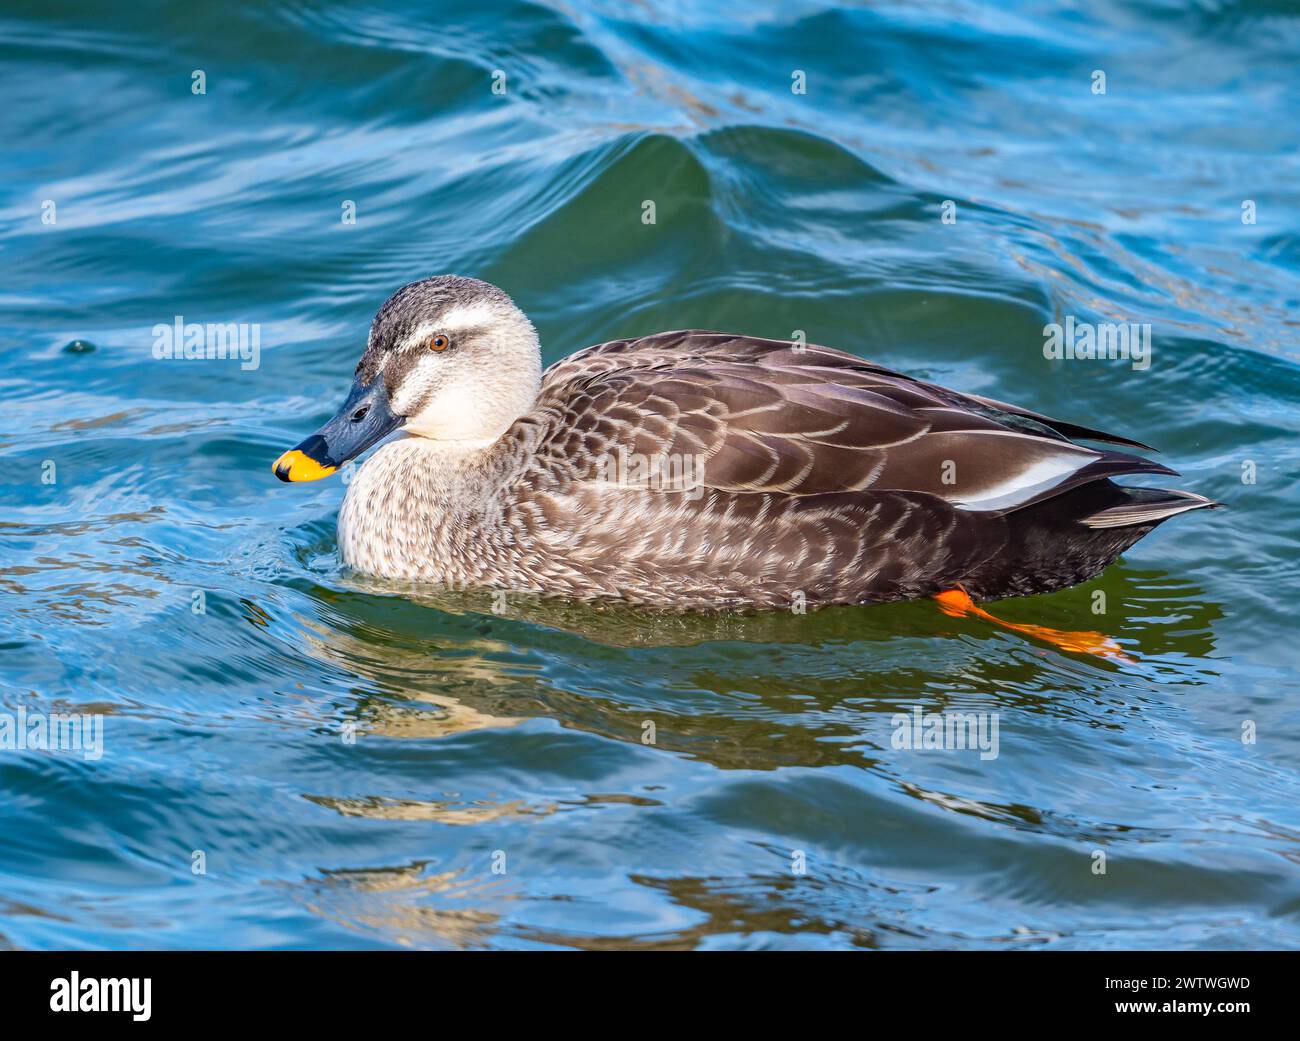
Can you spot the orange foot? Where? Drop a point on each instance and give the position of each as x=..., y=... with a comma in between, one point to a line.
x=955, y=602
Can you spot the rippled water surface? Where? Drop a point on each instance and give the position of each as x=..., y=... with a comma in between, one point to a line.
x=361, y=766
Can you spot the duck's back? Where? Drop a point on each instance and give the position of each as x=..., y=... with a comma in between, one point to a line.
x=695, y=468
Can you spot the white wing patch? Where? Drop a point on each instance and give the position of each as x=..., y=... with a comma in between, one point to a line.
x=1038, y=471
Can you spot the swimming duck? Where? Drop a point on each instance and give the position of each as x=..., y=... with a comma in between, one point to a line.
x=704, y=469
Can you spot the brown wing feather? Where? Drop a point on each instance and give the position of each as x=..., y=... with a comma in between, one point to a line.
x=750, y=415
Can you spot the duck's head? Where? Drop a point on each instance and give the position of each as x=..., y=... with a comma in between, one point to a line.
x=449, y=358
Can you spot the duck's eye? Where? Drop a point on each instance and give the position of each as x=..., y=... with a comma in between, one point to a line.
x=439, y=343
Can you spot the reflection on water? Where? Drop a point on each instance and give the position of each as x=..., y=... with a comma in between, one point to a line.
x=385, y=900
x=843, y=673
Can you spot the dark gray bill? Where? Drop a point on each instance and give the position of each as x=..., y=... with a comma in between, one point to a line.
x=364, y=420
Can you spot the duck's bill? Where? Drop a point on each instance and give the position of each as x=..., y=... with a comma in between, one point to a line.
x=364, y=420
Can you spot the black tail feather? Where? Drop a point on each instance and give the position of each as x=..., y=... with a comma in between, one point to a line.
x=1147, y=506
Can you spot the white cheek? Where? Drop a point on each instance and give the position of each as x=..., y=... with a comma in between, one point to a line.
x=438, y=404
x=454, y=413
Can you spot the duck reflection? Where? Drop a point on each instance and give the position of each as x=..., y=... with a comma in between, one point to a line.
x=434, y=667
x=410, y=905
x=438, y=664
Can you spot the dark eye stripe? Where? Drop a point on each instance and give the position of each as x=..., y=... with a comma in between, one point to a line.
x=423, y=403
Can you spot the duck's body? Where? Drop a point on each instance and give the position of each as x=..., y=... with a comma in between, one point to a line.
x=698, y=469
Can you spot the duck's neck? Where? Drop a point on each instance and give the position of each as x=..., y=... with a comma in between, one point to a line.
x=427, y=509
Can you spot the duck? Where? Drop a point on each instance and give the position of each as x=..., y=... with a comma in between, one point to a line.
x=707, y=470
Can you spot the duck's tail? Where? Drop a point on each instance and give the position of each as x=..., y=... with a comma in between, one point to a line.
x=1146, y=506
x=1069, y=538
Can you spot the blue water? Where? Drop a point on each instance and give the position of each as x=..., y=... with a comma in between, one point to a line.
x=296, y=757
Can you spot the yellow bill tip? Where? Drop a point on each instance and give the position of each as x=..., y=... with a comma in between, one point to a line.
x=297, y=466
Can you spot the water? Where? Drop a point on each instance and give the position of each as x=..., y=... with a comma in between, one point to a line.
x=165, y=580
